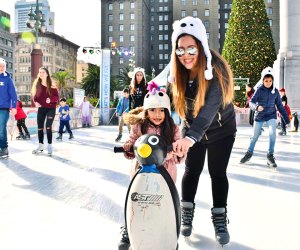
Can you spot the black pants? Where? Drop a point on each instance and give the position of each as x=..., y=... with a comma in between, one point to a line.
x=47, y=114
x=21, y=124
x=218, y=154
x=62, y=124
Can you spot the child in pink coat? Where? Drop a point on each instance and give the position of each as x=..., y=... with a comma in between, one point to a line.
x=153, y=118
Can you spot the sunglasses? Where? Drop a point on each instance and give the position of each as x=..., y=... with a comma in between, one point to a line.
x=191, y=51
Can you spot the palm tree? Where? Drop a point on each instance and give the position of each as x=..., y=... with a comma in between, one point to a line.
x=90, y=83
x=61, y=78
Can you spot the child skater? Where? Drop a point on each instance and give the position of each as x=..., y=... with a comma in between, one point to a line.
x=64, y=119
x=153, y=118
x=20, y=116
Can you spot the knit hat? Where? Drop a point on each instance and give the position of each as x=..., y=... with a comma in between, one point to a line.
x=132, y=75
x=282, y=90
x=192, y=26
x=268, y=71
x=156, y=97
x=2, y=61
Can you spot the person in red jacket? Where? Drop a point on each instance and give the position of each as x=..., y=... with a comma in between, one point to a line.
x=20, y=116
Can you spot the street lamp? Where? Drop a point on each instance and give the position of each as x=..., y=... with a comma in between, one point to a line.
x=36, y=22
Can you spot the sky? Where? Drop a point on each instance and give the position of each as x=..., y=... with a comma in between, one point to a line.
x=77, y=21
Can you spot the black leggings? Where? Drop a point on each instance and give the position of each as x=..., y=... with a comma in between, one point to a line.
x=43, y=114
x=218, y=154
x=21, y=124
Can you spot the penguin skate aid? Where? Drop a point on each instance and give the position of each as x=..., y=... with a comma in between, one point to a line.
x=150, y=194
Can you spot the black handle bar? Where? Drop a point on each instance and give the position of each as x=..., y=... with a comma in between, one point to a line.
x=118, y=149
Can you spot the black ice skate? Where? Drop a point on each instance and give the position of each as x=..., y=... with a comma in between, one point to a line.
x=59, y=138
x=124, y=243
x=220, y=221
x=187, y=215
x=71, y=136
x=27, y=136
x=118, y=137
x=3, y=153
x=271, y=161
x=282, y=132
x=246, y=157
x=20, y=136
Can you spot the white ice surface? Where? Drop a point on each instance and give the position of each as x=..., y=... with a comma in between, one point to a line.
x=74, y=200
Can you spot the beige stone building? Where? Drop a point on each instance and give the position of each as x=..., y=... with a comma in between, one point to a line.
x=58, y=54
x=81, y=72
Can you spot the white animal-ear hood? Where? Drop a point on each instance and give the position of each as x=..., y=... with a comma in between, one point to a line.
x=192, y=26
x=268, y=71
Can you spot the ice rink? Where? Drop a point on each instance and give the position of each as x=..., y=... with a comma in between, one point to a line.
x=74, y=199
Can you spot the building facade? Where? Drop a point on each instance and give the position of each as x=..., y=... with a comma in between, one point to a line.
x=81, y=71
x=59, y=54
x=22, y=9
x=7, y=42
x=145, y=28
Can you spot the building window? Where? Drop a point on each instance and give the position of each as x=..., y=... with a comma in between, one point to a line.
x=160, y=27
x=207, y=35
x=121, y=6
x=195, y=13
x=225, y=6
x=152, y=9
x=166, y=27
x=226, y=25
x=160, y=66
x=110, y=39
x=166, y=56
x=160, y=18
x=110, y=6
x=206, y=2
x=166, y=17
x=270, y=1
x=110, y=28
x=270, y=22
x=166, y=37
x=161, y=37
x=131, y=38
x=110, y=17
x=132, y=5
x=152, y=18
x=132, y=27
x=121, y=27
x=183, y=2
x=160, y=46
x=166, y=8
x=269, y=11
x=161, y=56
x=121, y=16
x=206, y=13
x=226, y=15
x=206, y=24
x=132, y=16
x=121, y=39
x=183, y=13
x=166, y=46
x=152, y=28
x=121, y=61
x=195, y=2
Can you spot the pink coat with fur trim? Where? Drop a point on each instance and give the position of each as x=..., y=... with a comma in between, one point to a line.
x=171, y=160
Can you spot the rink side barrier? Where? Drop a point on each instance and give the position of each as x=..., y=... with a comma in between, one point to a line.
x=75, y=122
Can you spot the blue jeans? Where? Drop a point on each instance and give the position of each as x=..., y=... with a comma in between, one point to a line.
x=4, y=115
x=271, y=124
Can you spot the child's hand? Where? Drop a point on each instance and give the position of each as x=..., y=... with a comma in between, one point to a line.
x=127, y=146
x=260, y=108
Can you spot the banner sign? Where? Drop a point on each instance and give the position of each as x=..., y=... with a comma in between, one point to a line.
x=105, y=87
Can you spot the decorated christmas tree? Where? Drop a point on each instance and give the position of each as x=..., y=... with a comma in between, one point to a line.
x=249, y=46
